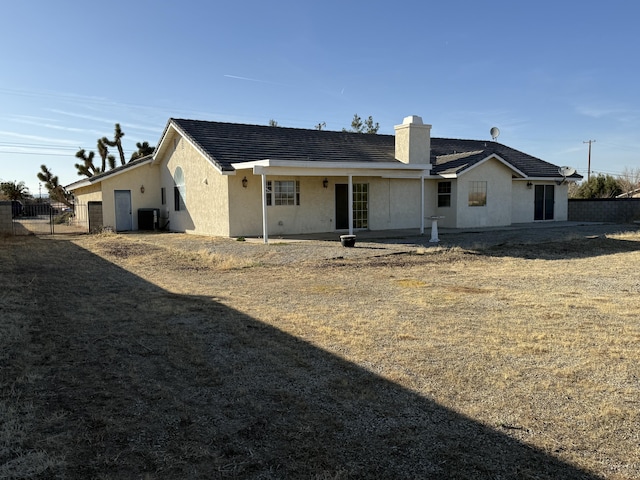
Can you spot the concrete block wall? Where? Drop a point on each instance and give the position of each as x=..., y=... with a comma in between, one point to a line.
x=6, y=222
x=612, y=210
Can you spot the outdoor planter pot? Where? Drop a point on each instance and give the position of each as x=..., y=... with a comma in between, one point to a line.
x=348, y=240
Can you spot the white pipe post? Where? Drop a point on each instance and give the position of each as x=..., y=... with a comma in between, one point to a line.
x=265, y=233
x=421, y=204
x=350, y=194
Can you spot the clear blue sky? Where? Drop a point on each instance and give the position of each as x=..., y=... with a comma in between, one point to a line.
x=549, y=74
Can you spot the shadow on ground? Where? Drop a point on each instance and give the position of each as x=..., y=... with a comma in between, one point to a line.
x=584, y=247
x=546, y=242
x=132, y=381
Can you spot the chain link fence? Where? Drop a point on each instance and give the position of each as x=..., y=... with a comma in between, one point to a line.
x=46, y=219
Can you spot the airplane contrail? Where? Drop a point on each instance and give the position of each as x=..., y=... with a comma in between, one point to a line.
x=250, y=79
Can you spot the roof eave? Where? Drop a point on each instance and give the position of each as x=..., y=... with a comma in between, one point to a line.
x=497, y=157
x=332, y=165
x=164, y=144
x=78, y=184
x=106, y=175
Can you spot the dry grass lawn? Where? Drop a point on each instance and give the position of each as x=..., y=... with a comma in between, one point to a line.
x=127, y=358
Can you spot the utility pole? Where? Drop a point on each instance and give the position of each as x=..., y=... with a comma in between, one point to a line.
x=589, y=164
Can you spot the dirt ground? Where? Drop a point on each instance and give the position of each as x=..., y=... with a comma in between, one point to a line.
x=165, y=356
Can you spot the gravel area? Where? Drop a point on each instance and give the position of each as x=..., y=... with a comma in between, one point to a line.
x=295, y=249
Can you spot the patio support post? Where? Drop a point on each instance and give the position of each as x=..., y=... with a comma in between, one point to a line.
x=265, y=233
x=350, y=194
x=421, y=204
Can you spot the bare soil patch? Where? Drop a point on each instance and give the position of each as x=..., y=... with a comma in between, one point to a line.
x=164, y=356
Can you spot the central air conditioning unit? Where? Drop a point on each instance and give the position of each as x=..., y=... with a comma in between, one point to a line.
x=148, y=218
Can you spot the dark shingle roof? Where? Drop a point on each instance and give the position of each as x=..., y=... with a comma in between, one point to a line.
x=447, y=158
x=114, y=171
x=228, y=143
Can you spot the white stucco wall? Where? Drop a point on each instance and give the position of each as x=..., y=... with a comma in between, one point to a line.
x=561, y=209
x=316, y=212
x=524, y=201
x=133, y=180
x=497, y=211
x=84, y=195
x=394, y=203
x=245, y=204
x=206, y=192
x=449, y=213
x=430, y=200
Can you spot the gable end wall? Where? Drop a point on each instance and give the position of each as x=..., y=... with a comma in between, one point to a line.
x=497, y=211
x=207, y=192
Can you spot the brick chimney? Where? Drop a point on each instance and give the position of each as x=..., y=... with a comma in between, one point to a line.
x=413, y=141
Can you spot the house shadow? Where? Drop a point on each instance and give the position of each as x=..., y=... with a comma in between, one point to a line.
x=572, y=248
x=151, y=384
x=541, y=241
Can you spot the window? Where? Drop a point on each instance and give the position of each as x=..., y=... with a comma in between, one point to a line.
x=283, y=192
x=444, y=194
x=179, y=190
x=477, y=194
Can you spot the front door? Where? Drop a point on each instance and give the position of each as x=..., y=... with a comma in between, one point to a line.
x=360, y=205
x=123, y=210
x=342, y=206
x=544, y=202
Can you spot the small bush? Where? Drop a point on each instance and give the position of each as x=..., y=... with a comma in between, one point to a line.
x=63, y=218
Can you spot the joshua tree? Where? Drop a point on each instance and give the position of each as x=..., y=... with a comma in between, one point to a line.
x=144, y=149
x=86, y=168
x=103, y=151
x=56, y=191
x=116, y=142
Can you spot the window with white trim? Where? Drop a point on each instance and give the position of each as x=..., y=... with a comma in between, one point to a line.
x=477, y=194
x=283, y=192
x=444, y=194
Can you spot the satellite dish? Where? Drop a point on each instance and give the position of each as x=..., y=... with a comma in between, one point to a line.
x=566, y=171
x=495, y=132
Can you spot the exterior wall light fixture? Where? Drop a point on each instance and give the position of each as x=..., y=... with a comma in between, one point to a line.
x=244, y=182
x=141, y=188
x=529, y=185
x=325, y=183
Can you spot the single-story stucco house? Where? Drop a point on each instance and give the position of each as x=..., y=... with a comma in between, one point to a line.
x=227, y=179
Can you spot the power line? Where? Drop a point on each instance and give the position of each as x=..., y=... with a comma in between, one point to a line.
x=35, y=153
x=36, y=145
